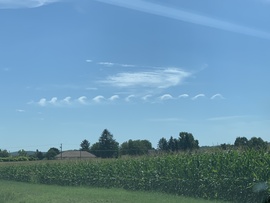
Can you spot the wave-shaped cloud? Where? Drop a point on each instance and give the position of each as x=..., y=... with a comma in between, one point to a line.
x=114, y=97
x=128, y=98
x=217, y=96
x=98, y=98
x=183, y=96
x=166, y=97
x=83, y=100
x=13, y=4
x=198, y=96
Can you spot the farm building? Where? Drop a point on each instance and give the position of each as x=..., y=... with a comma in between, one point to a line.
x=75, y=154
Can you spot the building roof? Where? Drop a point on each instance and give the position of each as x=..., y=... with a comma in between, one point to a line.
x=75, y=154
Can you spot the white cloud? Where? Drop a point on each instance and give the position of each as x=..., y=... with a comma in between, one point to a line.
x=217, y=96
x=98, y=98
x=67, y=100
x=223, y=118
x=128, y=98
x=198, y=96
x=12, y=4
x=106, y=63
x=146, y=97
x=89, y=60
x=82, y=100
x=20, y=110
x=162, y=78
x=127, y=65
x=42, y=102
x=183, y=96
x=187, y=16
x=166, y=97
x=114, y=97
x=53, y=100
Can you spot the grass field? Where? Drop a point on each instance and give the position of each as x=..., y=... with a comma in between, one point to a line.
x=17, y=192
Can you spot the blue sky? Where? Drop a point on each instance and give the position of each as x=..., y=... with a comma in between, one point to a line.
x=143, y=69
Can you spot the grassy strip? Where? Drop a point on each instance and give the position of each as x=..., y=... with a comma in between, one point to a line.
x=17, y=192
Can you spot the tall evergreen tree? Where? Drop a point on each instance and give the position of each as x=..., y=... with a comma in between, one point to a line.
x=85, y=145
x=106, y=147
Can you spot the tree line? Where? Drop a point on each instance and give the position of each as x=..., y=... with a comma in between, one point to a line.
x=108, y=147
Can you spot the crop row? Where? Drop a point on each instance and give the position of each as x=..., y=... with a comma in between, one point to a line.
x=231, y=176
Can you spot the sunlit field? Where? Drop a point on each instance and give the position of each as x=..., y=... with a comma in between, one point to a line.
x=239, y=176
x=17, y=192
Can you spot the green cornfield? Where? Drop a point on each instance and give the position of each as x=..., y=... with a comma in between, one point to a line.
x=235, y=176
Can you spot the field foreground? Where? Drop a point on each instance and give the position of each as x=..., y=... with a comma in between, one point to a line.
x=17, y=192
x=235, y=176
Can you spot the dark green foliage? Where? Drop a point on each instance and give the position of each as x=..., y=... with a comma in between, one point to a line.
x=185, y=142
x=254, y=143
x=4, y=153
x=257, y=143
x=163, y=144
x=85, y=145
x=22, y=152
x=39, y=155
x=241, y=142
x=236, y=176
x=52, y=152
x=107, y=147
x=135, y=147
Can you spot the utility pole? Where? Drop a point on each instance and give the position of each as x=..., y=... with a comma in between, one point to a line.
x=61, y=150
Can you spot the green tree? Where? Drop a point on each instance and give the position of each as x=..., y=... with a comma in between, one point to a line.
x=51, y=153
x=39, y=155
x=241, y=142
x=22, y=152
x=187, y=141
x=4, y=153
x=106, y=147
x=163, y=144
x=257, y=143
x=85, y=145
x=135, y=147
x=173, y=144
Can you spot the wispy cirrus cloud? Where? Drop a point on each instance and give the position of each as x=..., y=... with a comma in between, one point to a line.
x=20, y=110
x=223, y=118
x=161, y=78
x=187, y=16
x=106, y=63
x=13, y=4
x=110, y=64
